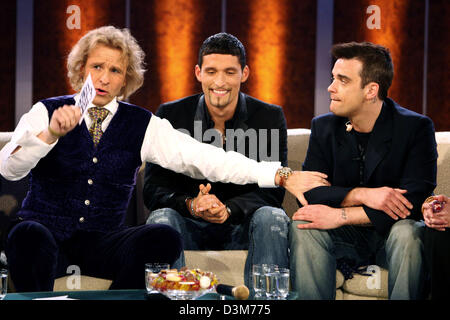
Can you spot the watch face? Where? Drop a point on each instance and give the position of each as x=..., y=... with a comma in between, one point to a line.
x=285, y=171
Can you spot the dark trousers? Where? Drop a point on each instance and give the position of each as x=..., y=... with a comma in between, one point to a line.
x=35, y=258
x=437, y=252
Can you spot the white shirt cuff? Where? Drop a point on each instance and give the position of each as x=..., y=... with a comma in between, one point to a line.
x=18, y=165
x=266, y=174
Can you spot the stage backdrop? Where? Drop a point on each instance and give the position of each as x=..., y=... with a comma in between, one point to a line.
x=279, y=35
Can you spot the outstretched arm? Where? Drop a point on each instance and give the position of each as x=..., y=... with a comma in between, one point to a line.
x=181, y=153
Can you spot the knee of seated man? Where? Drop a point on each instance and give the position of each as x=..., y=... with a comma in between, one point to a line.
x=163, y=232
x=270, y=216
x=305, y=236
x=161, y=236
x=29, y=229
x=406, y=232
x=166, y=216
x=30, y=234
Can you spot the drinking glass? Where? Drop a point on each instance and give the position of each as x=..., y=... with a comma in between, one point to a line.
x=270, y=276
x=3, y=283
x=283, y=283
x=258, y=280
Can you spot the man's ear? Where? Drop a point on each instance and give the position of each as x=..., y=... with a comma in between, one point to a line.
x=372, y=90
x=198, y=71
x=245, y=74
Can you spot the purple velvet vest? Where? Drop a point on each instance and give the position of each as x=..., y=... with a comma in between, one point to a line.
x=80, y=187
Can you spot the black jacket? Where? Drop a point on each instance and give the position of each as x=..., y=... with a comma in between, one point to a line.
x=401, y=153
x=167, y=189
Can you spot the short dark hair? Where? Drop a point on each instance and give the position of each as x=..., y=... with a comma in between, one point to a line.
x=222, y=43
x=376, y=61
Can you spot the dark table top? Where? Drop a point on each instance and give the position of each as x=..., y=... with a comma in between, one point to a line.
x=112, y=295
x=101, y=295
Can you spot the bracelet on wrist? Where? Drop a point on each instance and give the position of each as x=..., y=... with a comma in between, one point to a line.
x=190, y=206
x=187, y=201
x=229, y=211
x=284, y=173
x=427, y=200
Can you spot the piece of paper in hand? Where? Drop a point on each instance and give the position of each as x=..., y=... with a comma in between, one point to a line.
x=87, y=95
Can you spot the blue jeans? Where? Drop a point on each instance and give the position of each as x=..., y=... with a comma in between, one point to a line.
x=264, y=234
x=314, y=253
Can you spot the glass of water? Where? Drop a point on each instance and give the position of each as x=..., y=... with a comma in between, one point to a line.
x=283, y=283
x=258, y=280
x=3, y=283
x=270, y=276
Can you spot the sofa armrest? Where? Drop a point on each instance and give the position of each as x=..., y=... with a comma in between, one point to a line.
x=443, y=163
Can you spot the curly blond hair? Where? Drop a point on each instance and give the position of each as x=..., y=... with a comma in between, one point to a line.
x=114, y=38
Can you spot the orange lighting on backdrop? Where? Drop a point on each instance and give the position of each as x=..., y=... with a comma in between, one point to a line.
x=58, y=25
x=397, y=25
x=268, y=32
x=175, y=49
x=393, y=17
x=92, y=14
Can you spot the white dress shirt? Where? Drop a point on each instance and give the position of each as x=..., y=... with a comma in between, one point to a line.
x=162, y=145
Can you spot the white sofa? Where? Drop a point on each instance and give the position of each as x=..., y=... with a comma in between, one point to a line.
x=229, y=265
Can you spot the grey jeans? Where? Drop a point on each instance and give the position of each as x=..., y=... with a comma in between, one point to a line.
x=314, y=253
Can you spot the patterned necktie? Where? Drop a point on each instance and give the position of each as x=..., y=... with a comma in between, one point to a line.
x=97, y=115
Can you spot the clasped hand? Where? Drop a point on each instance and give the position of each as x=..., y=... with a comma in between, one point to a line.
x=437, y=220
x=208, y=207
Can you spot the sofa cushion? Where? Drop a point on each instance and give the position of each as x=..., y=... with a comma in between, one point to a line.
x=443, y=177
x=349, y=296
x=4, y=138
x=339, y=279
x=366, y=286
x=227, y=265
x=86, y=283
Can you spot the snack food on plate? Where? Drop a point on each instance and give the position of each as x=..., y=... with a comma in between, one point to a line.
x=185, y=280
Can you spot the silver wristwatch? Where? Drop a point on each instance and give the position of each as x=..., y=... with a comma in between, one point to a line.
x=284, y=174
